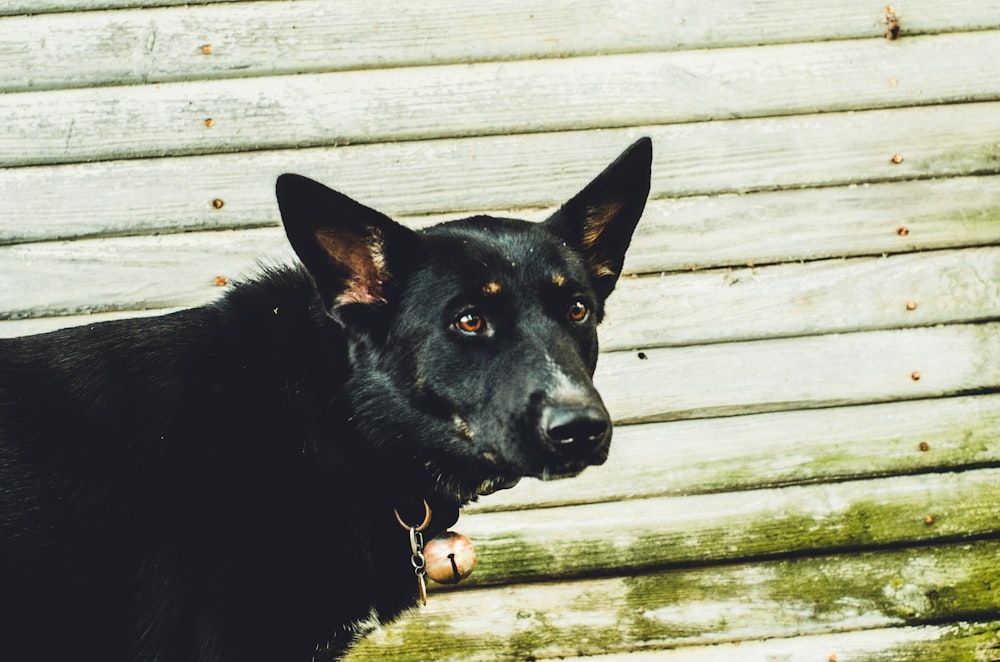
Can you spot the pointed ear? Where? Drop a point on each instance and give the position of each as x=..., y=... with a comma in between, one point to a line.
x=350, y=249
x=599, y=220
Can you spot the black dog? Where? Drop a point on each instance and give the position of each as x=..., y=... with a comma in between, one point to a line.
x=219, y=483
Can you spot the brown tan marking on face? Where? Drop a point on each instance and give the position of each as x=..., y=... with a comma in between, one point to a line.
x=558, y=280
x=492, y=287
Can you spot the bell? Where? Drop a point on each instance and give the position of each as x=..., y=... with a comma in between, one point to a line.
x=450, y=558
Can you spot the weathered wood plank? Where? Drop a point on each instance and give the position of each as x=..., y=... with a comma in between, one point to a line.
x=575, y=541
x=419, y=103
x=794, y=373
x=829, y=296
x=148, y=272
x=728, y=230
x=737, y=230
x=704, y=605
x=785, y=448
x=842, y=221
x=13, y=7
x=959, y=641
x=33, y=325
x=125, y=197
x=137, y=273
x=268, y=38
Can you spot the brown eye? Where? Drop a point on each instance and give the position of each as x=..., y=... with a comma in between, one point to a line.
x=578, y=312
x=471, y=323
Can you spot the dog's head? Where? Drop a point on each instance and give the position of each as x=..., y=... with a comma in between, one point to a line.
x=473, y=343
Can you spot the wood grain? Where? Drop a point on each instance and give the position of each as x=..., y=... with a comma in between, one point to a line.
x=420, y=103
x=737, y=453
x=962, y=641
x=267, y=38
x=720, y=604
x=796, y=373
x=176, y=194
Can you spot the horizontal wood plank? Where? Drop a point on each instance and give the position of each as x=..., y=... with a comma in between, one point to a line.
x=138, y=273
x=32, y=325
x=575, y=541
x=173, y=194
x=268, y=38
x=805, y=596
x=841, y=221
x=785, y=448
x=15, y=7
x=959, y=641
x=795, y=373
x=829, y=296
x=420, y=103
x=710, y=231
x=148, y=272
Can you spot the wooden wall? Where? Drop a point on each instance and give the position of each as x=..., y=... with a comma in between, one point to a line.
x=804, y=360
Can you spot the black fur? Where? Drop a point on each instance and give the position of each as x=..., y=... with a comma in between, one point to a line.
x=219, y=484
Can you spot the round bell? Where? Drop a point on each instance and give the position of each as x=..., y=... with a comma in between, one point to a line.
x=450, y=558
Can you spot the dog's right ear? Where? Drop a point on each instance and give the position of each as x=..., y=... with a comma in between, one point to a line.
x=351, y=250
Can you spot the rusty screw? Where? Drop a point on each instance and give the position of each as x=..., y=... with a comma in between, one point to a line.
x=902, y=231
x=217, y=203
x=924, y=446
x=221, y=281
x=897, y=158
x=915, y=376
x=911, y=305
x=206, y=49
x=928, y=520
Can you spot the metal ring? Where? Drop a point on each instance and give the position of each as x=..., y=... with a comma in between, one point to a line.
x=423, y=525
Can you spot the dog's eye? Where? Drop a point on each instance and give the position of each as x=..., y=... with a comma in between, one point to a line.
x=578, y=312
x=472, y=324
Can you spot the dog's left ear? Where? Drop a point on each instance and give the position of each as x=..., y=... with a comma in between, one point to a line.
x=599, y=220
x=351, y=250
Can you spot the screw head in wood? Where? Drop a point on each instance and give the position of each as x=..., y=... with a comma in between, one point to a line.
x=915, y=376
x=217, y=203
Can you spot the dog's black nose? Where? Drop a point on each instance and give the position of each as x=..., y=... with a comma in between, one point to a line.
x=576, y=431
